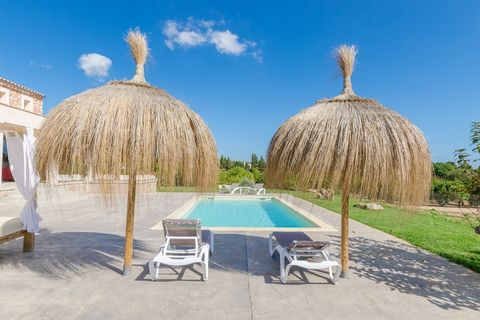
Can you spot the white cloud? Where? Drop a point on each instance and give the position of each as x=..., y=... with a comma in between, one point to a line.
x=257, y=55
x=209, y=23
x=194, y=33
x=170, y=29
x=190, y=39
x=40, y=65
x=94, y=65
x=227, y=42
x=186, y=38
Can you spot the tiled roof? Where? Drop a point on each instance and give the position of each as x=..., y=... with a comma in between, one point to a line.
x=19, y=86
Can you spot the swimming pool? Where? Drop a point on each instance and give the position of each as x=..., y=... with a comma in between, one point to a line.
x=263, y=213
x=247, y=213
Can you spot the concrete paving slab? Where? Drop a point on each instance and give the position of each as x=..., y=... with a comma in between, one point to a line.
x=75, y=273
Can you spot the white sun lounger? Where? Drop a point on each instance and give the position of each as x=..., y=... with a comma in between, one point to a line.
x=186, y=244
x=301, y=251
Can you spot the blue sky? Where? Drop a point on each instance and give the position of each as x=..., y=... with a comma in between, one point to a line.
x=247, y=66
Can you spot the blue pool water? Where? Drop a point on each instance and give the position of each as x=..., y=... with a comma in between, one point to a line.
x=266, y=213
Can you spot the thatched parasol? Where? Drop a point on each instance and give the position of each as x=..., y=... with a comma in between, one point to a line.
x=351, y=144
x=128, y=128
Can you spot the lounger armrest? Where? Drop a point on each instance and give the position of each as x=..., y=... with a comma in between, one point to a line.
x=204, y=251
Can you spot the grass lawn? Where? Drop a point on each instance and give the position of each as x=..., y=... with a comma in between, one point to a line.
x=449, y=237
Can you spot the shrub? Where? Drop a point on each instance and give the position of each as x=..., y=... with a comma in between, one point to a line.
x=443, y=169
x=459, y=174
x=445, y=191
x=258, y=175
x=235, y=175
x=474, y=200
x=246, y=182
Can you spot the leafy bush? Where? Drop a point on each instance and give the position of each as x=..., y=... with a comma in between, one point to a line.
x=235, y=175
x=246, y=182
x=474, y=188
x=443, y=169
x=459, y=174
x=445, y=191
x=474, y=200
x=474, y=182
x=258, y=175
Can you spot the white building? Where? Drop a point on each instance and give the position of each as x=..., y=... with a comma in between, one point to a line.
x=20, y=108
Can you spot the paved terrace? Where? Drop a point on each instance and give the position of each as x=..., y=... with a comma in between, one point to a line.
x=75, y=273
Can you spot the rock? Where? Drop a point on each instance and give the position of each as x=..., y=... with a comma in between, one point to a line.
x=325, y=194
x=369, y=206
x=374, y=206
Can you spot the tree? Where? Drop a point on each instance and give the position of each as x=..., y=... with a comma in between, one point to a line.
x=235, y=175
x=253, y=171
x=472, y=181
x=261, y=163
x=258, y=175
x=462, y=156
x=254, y=160
x=443, y=169
x=475, y=137
x=222, y=162
x=445, y=191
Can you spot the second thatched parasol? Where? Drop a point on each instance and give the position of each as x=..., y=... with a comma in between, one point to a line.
x=128, y=128
x=351, y=144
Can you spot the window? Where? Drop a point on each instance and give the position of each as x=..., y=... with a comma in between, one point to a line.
x=27, y=103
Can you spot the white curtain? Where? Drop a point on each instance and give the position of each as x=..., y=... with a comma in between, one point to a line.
x=20, y=150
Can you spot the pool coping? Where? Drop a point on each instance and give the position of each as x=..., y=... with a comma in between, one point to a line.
x=180, y=211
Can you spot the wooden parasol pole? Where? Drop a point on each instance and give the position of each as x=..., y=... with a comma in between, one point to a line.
x=127, y=260
x=344, y=240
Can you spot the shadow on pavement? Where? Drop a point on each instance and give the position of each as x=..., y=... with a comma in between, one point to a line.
x=409, y=270
x=66, y=254
x=399, y=266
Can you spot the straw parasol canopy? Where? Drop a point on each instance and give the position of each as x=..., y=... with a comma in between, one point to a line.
x=352, y=144
x=128, y=128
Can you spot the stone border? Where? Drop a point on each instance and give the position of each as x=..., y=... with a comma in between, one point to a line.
x=321, y=225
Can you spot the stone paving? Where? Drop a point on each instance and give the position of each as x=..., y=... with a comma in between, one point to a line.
x=75, y=272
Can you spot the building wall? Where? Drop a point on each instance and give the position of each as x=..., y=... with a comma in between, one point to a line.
x=20, y=97
x=38, y=106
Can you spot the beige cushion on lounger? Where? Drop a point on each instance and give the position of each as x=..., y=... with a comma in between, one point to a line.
x=287, y=238
x=10, y=225
x=298, y=240
x=309, y=245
